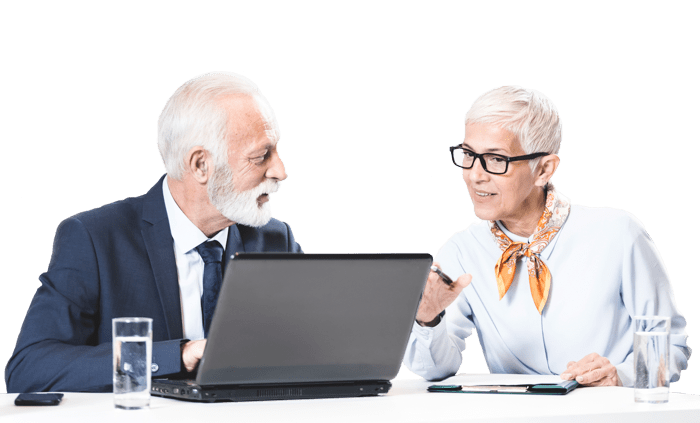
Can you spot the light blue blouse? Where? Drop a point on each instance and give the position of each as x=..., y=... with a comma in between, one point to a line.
x=605, y=270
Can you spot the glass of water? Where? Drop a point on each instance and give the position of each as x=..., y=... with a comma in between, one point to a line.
x=651, y=372
x=132, y=342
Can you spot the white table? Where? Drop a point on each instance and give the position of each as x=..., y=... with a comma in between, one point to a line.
x=408, y=401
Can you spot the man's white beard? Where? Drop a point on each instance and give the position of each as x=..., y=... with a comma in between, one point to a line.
x=240, y=207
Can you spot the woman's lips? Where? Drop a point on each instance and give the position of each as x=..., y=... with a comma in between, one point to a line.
x=482, y=197
x=483, y=194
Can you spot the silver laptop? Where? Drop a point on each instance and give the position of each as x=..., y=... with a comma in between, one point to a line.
x=306, y=326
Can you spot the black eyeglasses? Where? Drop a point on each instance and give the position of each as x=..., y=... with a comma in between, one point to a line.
x=495, y=164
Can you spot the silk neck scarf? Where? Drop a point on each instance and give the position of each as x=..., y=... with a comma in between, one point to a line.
x=556, y=211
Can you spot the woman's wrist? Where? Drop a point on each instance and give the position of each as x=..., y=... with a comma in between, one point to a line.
x=431, y=324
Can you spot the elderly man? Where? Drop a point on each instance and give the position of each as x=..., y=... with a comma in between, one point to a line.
x=160, y=255
x=550, y=287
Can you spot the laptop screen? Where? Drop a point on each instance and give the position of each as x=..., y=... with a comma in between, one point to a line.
x=287, y=318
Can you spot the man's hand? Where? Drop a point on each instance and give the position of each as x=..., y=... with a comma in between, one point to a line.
x=437, y=295
x=192, y=352
x=592, y=370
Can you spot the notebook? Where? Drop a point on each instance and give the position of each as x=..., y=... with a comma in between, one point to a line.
x=561, y=388
x=306, y=326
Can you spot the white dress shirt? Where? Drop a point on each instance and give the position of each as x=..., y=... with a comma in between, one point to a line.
x=605, y=270
x=190, y=266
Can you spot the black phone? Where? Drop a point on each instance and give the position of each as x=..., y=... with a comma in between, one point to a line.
x=38, y=399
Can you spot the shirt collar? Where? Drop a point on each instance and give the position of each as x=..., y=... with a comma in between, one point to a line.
x=186, y=235
x=517, y=238
x=513, y=237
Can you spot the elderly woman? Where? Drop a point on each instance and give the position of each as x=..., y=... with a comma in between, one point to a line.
x=551, y=288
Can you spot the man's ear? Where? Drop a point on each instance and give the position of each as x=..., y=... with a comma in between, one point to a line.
x=197, y=162
x=546, y=168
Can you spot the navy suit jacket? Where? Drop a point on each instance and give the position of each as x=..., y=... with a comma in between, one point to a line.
x=114, y=261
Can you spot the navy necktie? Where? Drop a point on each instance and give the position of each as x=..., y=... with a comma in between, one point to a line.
x=211, y=252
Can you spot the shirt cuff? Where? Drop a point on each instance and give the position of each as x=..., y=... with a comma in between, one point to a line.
x=427, y=333
x=625, y=373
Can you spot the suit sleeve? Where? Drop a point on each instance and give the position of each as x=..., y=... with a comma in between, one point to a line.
x=57, y=348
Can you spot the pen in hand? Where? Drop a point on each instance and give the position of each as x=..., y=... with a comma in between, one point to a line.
x=442, y=275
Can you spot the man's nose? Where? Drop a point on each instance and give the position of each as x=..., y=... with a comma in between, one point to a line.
x=276, y=170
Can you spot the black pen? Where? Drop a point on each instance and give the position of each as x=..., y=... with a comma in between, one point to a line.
x=442, y=275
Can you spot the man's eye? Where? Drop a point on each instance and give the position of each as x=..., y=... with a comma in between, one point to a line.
x=261, y=159
x=468, y=153
x=497, y=159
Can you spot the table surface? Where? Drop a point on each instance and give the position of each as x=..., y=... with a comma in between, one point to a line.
x=407, y=401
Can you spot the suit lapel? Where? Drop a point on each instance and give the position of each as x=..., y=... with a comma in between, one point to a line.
x=159, y=244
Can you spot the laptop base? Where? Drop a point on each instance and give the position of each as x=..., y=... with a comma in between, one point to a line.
x=191, y=391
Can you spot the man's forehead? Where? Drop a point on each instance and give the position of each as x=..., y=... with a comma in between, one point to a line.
x=248, y=117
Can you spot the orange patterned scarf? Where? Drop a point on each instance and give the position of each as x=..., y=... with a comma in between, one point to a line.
x=555, y=213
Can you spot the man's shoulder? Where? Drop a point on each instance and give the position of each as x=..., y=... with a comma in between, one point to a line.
x=116, y=214
x=275, y=225
x=275, y=236
x=123, y=214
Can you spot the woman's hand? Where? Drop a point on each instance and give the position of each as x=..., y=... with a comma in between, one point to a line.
x=592, y=370
x=437, y=295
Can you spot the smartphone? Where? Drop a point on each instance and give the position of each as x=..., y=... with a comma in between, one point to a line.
x=38, y=399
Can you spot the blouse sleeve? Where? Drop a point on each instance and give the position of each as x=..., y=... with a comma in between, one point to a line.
x=436, y=353
x=646, y=291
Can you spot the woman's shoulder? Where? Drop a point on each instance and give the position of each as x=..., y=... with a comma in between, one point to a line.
x=464, y=250
x=603, y=218
x=472, y=240
x=475, y=231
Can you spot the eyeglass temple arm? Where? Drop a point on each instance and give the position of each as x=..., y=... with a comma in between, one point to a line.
x=526, y=157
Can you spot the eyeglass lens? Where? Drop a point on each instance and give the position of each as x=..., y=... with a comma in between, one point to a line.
x=494, y=162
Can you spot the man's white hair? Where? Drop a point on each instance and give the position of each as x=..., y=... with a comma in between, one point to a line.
x=194, y=116
x=528, y=114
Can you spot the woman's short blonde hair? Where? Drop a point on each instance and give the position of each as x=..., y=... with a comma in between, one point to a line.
x=528, y=114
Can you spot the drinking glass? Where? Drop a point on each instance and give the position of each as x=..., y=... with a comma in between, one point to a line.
x=132, y=343
x=651, y=372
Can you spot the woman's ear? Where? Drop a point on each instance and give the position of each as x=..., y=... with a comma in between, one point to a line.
x=546, y=168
